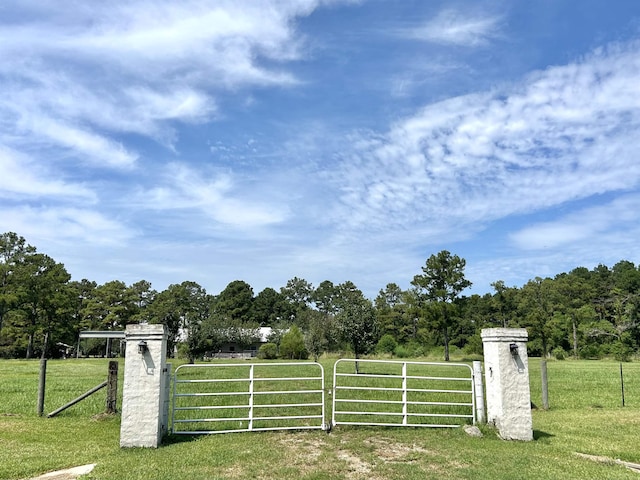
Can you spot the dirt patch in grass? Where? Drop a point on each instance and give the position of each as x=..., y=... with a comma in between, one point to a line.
x=103, y=416
x=312, y=454
x=357, y=468
x=393, y=452
x=303, y=449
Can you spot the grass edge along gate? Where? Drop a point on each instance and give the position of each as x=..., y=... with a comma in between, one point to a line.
x=239, y=397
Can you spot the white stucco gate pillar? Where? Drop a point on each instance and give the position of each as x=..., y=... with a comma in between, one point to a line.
x=145, y=386
x=507, y=382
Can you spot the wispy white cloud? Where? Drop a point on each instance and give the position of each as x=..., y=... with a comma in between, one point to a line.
x=89, y=146
x=21, y=177
x=584, y=237
x=68, y=225
x=588, y=225
x=561, y=134
x=454, y=27
x=79, y=76
x=419, y=75
x=215, y=195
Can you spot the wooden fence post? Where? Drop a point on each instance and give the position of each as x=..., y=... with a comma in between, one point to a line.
x=112, y=387
x=622, y=383
x=545, y=385
x=41, y=385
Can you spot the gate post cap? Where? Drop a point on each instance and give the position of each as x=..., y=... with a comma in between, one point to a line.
x=504, y=334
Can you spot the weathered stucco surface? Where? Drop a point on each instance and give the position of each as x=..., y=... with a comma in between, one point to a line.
x=143, y=401
x=507, y=382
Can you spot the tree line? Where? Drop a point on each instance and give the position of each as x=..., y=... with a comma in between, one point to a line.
x=583, y=313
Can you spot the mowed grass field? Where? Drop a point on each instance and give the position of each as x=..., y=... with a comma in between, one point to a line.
x=586, y=416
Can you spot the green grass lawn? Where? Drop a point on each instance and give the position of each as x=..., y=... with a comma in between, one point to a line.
x=586, y=416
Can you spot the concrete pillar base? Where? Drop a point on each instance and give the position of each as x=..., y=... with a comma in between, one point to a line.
x=144, y=389
x=507, y=382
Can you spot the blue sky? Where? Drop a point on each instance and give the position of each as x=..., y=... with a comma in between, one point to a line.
x=328, y=140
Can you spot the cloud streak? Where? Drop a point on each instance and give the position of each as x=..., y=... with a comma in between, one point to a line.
x=453, y=27
x=561, y=134
x=22, y=178
x=214, y=195
x=168, y=62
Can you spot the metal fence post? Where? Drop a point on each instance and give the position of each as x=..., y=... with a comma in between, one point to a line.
x=479, y=392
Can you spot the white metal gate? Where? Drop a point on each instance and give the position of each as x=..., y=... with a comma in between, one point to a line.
x=398, y=393
x=223, y=398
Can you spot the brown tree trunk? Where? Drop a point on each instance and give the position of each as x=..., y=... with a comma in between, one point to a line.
x=30, y=346
x=446, y=344
x=575, y=337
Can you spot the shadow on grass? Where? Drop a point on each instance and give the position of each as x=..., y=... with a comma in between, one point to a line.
x=172, y=439
x=540, y=435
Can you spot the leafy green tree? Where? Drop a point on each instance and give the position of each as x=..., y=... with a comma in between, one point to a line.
x=414, y=316
x=504, y=303
x=537, y=302
x=574, y=297
x=183, y=308
x=235, y=303
x=325, y=298
x=143, y=296
x=347, y=293
x=242, y=334
x=41, y=293
x=391, y=313
x=322, y=334
x=387, y=344
x=13, y=251
x=298, y=292
x=319, y=332
x=270, y=308
x=292, y=345
x=602, y=284
x=441, y=282
x=78, y=292
x=626, y=277
x=111, y=307
x=356, y=322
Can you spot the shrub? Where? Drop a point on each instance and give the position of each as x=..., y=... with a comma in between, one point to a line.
x=559, y=353
x=387, y=344
x=402, y=352
x=183, y=351
x=590, y=352
x=473, y=346
x=621, y=352
x=292, y=345
x=416, y=349
x=268, y=351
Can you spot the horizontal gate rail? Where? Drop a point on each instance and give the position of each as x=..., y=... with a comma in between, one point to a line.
x=399, y=393
x=238, y=397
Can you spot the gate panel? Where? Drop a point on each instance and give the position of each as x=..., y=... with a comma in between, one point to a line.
x=397, y=393
x=223, y=398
